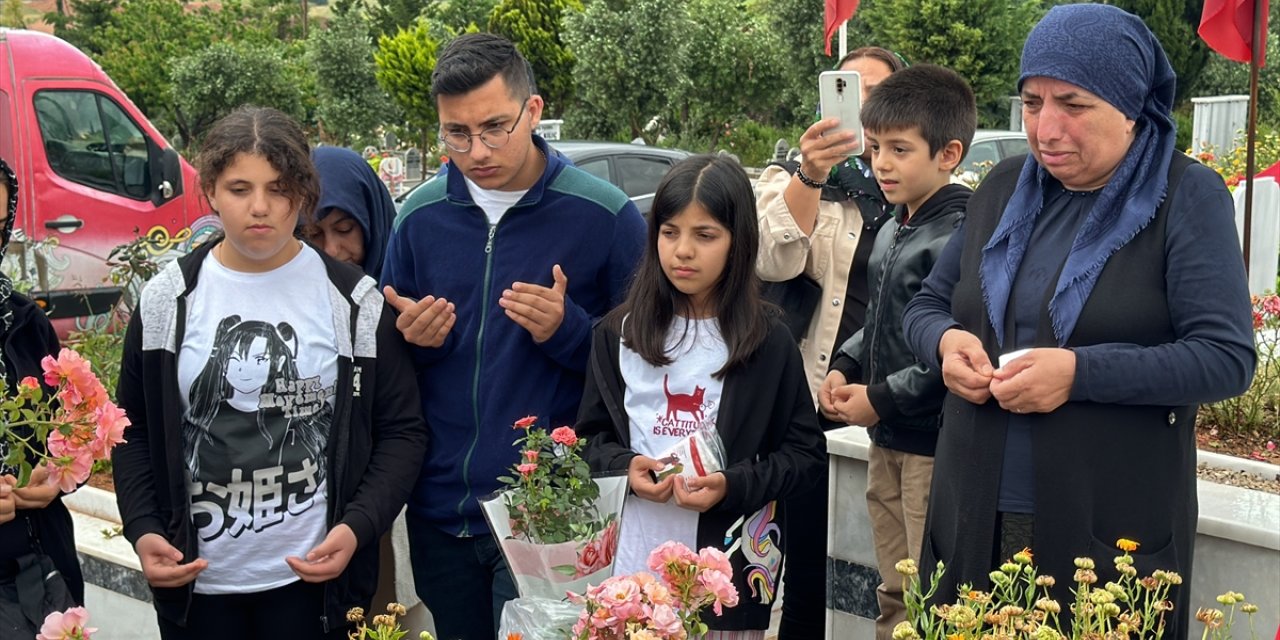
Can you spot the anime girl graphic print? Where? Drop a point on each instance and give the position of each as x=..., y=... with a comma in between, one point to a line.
x=255, y=432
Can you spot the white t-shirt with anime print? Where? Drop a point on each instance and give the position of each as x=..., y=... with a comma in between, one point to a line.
x=257, y=370
x=664, y=406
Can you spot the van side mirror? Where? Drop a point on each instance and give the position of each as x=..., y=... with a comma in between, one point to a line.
x=167, y=173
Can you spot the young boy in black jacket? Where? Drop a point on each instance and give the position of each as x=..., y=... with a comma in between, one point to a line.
x=918, y=124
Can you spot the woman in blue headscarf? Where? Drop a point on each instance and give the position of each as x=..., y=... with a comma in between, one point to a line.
x=1095, y=297
x=353, y=220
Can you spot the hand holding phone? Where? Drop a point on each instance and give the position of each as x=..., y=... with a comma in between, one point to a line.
x=840, y=94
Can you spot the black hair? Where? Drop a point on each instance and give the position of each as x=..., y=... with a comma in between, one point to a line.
x=266, y=132
x=474, y=59
x=894, y=61
x=721, y=187
x=933, y=99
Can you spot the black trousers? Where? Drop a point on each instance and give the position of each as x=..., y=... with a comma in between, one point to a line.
x=291, y=611
x=804, y=591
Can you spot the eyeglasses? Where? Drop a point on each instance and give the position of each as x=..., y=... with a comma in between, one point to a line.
x=493, y=137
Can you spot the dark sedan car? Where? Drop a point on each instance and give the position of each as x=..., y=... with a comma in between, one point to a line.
x=634, y=168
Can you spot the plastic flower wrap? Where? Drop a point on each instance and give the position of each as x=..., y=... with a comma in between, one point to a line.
x=66, y=431
x=667, y=606
x=557, y=526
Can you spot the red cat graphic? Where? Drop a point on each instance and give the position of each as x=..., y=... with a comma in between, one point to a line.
x=690, y=403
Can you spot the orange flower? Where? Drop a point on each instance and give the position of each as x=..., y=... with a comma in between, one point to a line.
x=515, y=635
x=1127, y=545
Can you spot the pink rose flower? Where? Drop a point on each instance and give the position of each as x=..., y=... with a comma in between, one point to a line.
x=531, y=455
x=711, y=558
x=721, y=587
x=1271, y=305
x=70, y=367
x=28, y=382
x=589, y=560
x=621, y=597
x=665, y=621
x=525, y=422
x=111, y=422
x=564, y=436
x=69, y=473
x=668, y=553
x=66, y=625
x=526, y=469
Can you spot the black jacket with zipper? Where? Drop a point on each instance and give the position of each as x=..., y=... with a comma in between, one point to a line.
x=30, y=338
x=906, y=394
x=773, y=449
x=376, y=443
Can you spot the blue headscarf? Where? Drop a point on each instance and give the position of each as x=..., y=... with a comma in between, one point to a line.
x=1112, y=54
x=348, y=183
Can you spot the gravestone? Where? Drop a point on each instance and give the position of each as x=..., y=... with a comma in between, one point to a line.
x=413, y=165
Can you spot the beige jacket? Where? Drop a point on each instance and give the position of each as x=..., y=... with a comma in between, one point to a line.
x=786, y=252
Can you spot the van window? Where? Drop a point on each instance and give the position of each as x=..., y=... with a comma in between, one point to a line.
x=89, y=139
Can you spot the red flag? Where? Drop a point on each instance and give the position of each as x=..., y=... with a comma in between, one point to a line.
x=1272, y=172
x=1227, y=27
x=837, y=13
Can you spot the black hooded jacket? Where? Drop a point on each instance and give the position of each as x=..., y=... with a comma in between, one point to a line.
x=26, y=337
x=905, y=393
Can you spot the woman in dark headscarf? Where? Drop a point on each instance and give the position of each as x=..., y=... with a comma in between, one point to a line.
x=34, y=513
x=353, y=221
x=1095, y=297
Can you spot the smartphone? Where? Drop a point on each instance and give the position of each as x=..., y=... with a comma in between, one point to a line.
x=840, y=93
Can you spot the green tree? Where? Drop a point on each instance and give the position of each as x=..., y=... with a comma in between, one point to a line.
x=137, y=41
x=11, y=15
x=404, y=65
x=86, y=19
x=535, y=27
x=1174, y=23
x=457, y=16
x=388, y=17
x=731, y=69
x=350, y=102
x=628, y=65
x=210, y=84
x=795, y=30
x=980, y=39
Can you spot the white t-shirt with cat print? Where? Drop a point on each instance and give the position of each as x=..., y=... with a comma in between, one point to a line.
x=665, y=405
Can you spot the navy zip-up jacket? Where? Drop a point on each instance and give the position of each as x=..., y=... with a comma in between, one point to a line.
x=489, y=372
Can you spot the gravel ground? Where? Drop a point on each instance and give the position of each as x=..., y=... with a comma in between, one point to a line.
x=1240, y=478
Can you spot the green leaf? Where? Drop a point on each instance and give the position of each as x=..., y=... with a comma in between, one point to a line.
x=565, y=569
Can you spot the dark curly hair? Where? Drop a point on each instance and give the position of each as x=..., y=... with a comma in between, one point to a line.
x=276, y=137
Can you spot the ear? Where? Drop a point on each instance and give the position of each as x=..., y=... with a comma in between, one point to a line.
x=213, y=203
x=949, y=157
x=535, y=110
x=1129, y=125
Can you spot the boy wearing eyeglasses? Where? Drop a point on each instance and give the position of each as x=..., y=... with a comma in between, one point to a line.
x=498, y=269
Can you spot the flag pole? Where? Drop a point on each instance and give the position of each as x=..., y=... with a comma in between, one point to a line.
x=1259, y=45
x=844, y=40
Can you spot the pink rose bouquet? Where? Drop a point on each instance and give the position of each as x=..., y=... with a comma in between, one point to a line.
x=66, y=431
x=666, y=607
x=557, y=526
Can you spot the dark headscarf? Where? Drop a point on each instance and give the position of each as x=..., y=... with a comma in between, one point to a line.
x=348, y=183
x=6, y=285
x=1112, y=54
